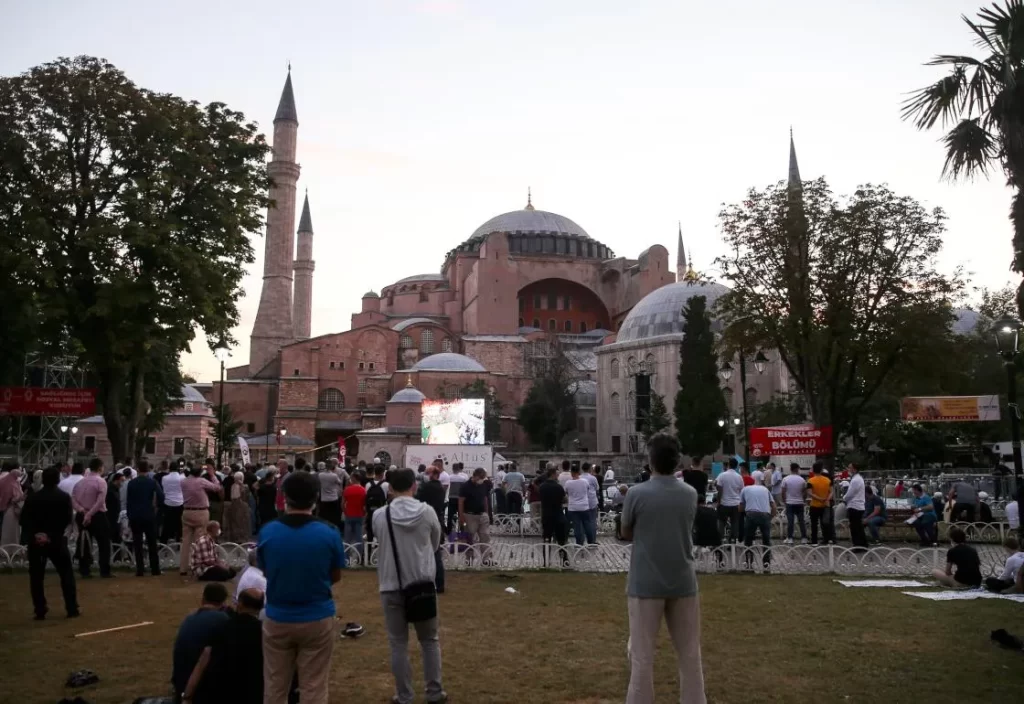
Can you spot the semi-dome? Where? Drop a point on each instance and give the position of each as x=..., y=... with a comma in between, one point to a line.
x=448, y=362
x=661, y=311
x=410, y=394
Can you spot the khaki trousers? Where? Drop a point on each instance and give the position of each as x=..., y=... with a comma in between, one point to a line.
x=305, y=646
x=683, y=618
x=193, y=526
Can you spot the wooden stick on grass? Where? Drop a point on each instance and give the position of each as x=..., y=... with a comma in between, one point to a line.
x=111, y=630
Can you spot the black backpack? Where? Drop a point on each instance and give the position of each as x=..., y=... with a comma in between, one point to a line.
x=375, y=497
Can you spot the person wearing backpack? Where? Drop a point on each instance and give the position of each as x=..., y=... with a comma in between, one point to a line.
x=409, y=534
x=375, y=497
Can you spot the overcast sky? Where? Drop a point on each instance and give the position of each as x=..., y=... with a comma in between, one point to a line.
x=421, y=119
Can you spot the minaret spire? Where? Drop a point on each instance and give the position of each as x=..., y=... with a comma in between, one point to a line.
x=794, y=170
x=681, y=263
x=302, y=307
x=286, y=106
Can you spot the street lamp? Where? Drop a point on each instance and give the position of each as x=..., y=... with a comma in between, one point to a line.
x=760, y=362
x=221, y=353
x=1007, y=334
x=67, y=442
x=721, y=423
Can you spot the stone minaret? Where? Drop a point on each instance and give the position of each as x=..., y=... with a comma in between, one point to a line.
x=303, y=306
x=681, y=266
x=273, y=327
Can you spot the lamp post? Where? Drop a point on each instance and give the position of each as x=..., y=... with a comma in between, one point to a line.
x=1007, y=334
x=221, y=353
x=760, y=363
x=67, y=442
x=282, y=431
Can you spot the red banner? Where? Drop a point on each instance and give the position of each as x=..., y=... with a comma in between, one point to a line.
x=35, y=401
x=791, y=440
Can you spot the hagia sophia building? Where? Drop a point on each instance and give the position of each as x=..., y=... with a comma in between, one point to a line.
x=523, y=286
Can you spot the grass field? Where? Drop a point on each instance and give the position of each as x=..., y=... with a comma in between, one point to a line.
x=561, y=639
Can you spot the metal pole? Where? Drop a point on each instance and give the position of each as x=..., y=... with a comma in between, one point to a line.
x=220, y=414
x=743, y=396
x=1011, y=402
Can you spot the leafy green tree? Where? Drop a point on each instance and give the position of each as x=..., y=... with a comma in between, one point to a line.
x=846, y=290
x=656, y=418
x=492, y=408
x=981, y=103
x=125, y=214
x=783, y=409
x=228, y=434
x=699, y=403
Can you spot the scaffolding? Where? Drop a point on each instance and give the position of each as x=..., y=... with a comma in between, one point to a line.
x=40, y=440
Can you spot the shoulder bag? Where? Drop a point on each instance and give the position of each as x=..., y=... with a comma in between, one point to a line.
x=420, y=597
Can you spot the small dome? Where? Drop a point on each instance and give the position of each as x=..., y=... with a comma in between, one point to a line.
x=410, y=394
x=191, y=395
x=661, y=311
x=370, y=294
x=448, y=362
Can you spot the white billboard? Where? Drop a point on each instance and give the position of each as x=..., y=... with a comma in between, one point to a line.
x=472, y=456
x=459, y=422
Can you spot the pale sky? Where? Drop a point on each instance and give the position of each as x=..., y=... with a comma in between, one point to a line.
x=421, y=119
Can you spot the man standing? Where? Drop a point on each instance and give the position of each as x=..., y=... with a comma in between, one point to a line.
x=794, y=493
x=409, y=533
x=696, y=477
x=89, y=499
x=457, y=481
x=474, y=507
x=819, y=488
x=45, y=517
x=67, y=484
x=499, y=492
x=330, y=495
x=174, y=504
x=776, y=483
x=552, y=514
x=592, y=499
x=729, y=485
x=577, y=491
x=758, y=508
x=431, y=493
x=301, y=558
x=195, y=514
x=658, y=517
x=353, y=507
x=514, y=485
x=854, y=500
x=144, y=496
x=565, y=475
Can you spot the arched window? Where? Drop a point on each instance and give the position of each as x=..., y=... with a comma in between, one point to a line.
x=750, y=398
x=593, y=424
x=583, y=328
x=552, y=325
x=536, y=323
x=446, y=344
x=616, y=405
x=384, y=458
x=451, y=392
x=568, y=326
x=406, y=342
x=427, y=341
x=331, y=400
x=615, y=369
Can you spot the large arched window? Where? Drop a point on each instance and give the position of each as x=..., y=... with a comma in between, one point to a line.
x=616, y=405
x=331, y=400
x=615, y=369
x=427, y=341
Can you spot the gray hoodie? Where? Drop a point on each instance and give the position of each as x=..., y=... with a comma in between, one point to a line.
x=417, y=534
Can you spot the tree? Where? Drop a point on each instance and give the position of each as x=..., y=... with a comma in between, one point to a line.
x=783, y=409
x=492, y=408
x=549, y=412
x=228, y=434
x=982, y=105
x=845, y=290
x=699, y=403
x=128, y=213
x=656, y=418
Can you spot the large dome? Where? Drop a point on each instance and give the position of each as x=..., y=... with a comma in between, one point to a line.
x=531, y=221
x=448, y=362
x=661, y=311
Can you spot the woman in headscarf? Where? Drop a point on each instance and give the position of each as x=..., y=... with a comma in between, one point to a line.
x=236, y=509
x=12, y=497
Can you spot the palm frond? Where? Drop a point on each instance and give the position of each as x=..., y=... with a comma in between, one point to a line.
x=970, y=150
x=987, y=38
x=943, y=99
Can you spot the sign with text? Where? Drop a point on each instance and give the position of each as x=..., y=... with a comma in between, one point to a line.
x=791, y=440
x=37, y=401
x=472, y=456
x=949, y=409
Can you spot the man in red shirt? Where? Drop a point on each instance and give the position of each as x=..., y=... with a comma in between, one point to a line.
x=282, y=474
x=745, y=474
x=353, y=500
x=89, y=500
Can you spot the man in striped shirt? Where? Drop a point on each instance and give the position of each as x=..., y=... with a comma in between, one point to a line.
x=89, y=500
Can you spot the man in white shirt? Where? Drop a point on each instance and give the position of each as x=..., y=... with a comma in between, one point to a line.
x=1013, y=515
x=854, y=500
x=758, y=476
x=758, y=508
x=776, y=485
x=565, y=474
x=68, y=483
x=500, y=504
x=609, y=476
x=594, y=489
x=793, y=491
x=455, y=482
x=252, y=578
x=577, y=491
x=174, y=505
x=514, y=485
x=729, y=484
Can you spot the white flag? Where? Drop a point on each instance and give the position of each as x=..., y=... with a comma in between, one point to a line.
x=244, y=447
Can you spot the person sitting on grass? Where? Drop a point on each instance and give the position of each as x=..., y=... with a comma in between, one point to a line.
x=196, y=633
x=1008, y=580
x=203, y=560
x=965, y=560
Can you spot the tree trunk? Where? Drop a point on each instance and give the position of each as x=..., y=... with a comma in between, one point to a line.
x=111, y=386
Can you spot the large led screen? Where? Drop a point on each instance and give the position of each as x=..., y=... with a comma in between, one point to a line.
x=458, y=422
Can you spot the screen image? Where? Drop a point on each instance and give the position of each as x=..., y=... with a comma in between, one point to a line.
x=458, y=422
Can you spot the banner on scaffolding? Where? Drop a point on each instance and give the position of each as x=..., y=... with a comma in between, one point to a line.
x=40, y=401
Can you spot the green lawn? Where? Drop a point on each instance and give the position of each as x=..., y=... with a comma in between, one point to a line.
x=561, y=639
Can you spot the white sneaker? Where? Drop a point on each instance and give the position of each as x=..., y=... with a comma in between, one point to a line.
x=789, y=541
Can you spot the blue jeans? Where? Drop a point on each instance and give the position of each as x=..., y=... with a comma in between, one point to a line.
x=758, y=522
x=353, y=533
x=795, y=511
x=926, y=527
x=591, y=527
x=579, y=520
x=874, y=524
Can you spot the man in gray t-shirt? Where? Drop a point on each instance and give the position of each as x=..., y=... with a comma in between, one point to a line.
x=658, y=517
x=966, y=506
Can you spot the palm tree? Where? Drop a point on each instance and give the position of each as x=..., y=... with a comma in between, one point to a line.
x=981, y=102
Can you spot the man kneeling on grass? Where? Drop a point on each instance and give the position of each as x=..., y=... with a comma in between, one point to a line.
x=203, y=559
x=965, y=560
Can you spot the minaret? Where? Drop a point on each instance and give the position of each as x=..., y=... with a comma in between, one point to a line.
x=681, y=266
x=303, y=307
x=273, y=327
x=795, y=185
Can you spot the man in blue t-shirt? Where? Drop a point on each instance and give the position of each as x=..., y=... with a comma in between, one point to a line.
x=301, y=558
